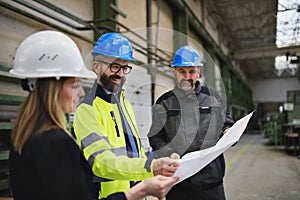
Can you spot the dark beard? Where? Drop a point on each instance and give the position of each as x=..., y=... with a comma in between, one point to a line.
x=106, y=81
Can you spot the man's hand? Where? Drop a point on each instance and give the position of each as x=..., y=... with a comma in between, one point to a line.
x=175, y=156
x=165, y=166
x=225, y=131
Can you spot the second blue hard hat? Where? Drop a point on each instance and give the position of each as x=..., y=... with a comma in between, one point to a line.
x=186, y=56
x=114, y=45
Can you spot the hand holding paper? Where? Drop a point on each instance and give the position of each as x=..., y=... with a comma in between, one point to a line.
x=193, y=162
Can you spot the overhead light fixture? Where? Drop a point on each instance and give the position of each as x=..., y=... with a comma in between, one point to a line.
x=288, y=63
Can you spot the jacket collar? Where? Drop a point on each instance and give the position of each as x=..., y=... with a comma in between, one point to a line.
x=102, y=93
x=198, y=87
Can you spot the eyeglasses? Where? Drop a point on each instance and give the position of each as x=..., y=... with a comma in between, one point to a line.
x=115, y=67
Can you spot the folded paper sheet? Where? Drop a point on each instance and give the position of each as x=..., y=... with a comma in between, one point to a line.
x=193, y=162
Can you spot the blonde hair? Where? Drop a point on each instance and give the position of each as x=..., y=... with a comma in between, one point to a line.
x=41, y=111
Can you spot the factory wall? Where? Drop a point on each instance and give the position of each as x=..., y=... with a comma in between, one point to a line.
x=15, y=27
x=273, y=90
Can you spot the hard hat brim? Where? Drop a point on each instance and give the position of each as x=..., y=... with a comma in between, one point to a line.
x=186, y=65
x=85, y=73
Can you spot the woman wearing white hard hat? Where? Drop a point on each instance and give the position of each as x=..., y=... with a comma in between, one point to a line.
x=45, y=161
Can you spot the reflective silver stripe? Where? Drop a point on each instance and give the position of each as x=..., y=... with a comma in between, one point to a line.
x=117, y=151
x=121, y=151
x=91, y=138
x=97, y=179
x=93, y=156
x=148, y=164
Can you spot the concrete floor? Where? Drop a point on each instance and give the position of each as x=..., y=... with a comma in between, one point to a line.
x=256, y=171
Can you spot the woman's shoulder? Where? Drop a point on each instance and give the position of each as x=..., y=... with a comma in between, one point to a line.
x=54, y=134
x=57, y=137
x=53, y=138
x=49, y=136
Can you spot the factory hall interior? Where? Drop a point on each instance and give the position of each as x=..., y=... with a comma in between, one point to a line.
x=246, y=52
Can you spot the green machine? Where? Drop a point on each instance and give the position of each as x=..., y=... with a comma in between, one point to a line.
x=291, y=129
x=273, y=128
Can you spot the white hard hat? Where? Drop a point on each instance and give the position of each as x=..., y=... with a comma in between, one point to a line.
x=49, y=54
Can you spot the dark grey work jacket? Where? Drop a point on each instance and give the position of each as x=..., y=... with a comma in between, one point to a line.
x=184, y=123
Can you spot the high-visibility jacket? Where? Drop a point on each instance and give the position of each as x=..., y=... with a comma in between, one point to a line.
x=98, y=129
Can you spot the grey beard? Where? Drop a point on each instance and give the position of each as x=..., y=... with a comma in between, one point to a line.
x=186, y=88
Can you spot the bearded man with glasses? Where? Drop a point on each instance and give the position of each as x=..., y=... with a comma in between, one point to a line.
x=112, y=78
x=106, y=128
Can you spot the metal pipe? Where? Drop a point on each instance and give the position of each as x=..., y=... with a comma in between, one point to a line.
x=87, y=24
x=38, y=19
x=157, y=25
x=151, y=69
x=149, y=33
x=37, y=9
x=24, y=13
x=66, y=14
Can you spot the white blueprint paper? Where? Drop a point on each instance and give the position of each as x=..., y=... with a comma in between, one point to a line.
x=193, y=162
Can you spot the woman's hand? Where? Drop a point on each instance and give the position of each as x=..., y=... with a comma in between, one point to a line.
x=157, y=186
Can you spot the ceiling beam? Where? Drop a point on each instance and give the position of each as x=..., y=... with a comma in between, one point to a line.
x=231, y=3
x=269, y=52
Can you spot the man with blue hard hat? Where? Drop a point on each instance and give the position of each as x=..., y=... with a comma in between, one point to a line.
x=105, y=124
x=189, y=118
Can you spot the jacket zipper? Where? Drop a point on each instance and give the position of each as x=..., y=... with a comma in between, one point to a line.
x=116, y=125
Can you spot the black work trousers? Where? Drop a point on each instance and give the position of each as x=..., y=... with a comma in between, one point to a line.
x=179, y=192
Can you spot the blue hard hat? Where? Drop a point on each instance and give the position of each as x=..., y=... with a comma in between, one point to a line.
x=186, y=56
x=114, y=45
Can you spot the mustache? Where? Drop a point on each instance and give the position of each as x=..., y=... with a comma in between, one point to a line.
x=115, y=76
x=184, y=80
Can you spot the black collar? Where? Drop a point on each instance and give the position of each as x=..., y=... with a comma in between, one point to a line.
x=101, y=93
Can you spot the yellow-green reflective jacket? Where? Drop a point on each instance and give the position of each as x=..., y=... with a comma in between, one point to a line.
x=99, y=131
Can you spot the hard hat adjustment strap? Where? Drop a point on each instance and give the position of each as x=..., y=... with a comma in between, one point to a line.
x=28, y=84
